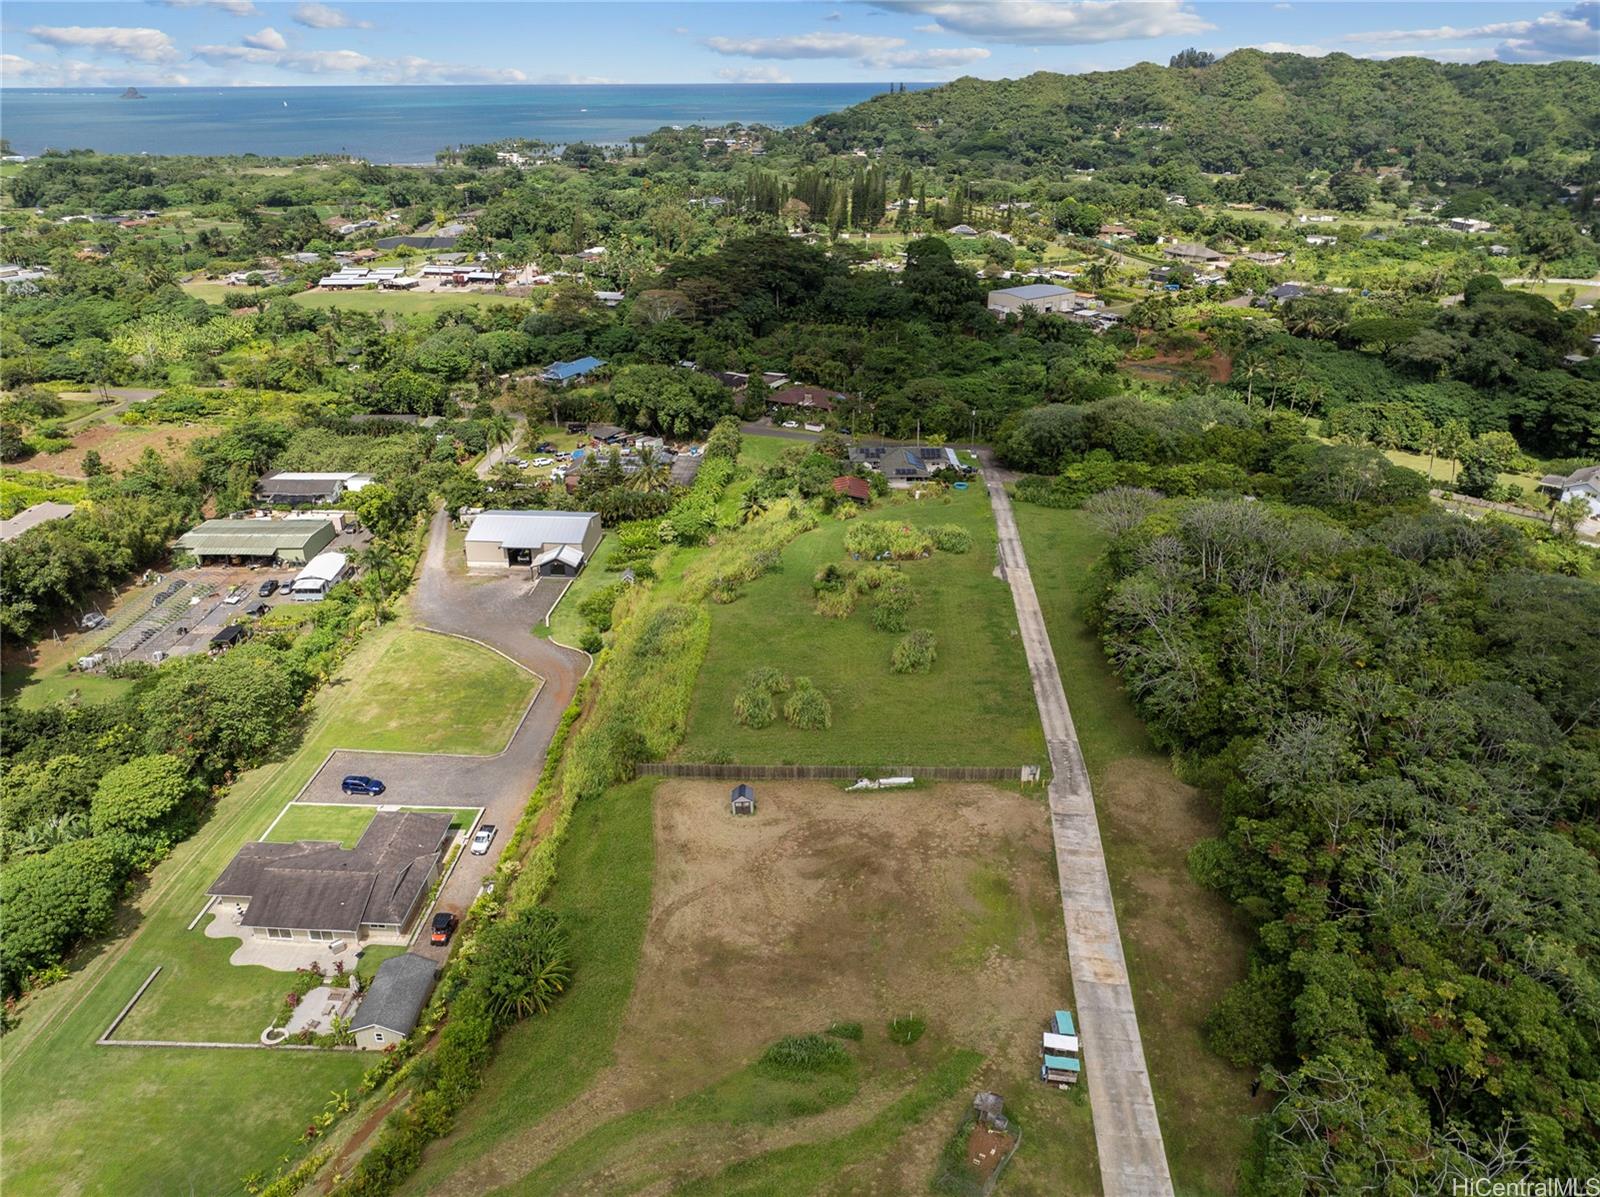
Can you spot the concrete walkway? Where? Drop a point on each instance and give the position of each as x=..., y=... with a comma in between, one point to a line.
x=1133, y=1162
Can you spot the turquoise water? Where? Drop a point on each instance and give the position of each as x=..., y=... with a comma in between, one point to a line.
x=390, y=124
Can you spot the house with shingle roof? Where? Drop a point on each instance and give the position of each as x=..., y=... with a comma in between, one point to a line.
x=1581, y=485
x=394, y=1002
x=319, y=891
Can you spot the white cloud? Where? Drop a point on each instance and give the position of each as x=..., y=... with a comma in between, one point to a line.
x=1437, y=53
x=862, y=49
x=69, y=72
x=329, y=62
x=1046, y=22
x=1308, y=51
x=834, y=16
x=132, y=44
x=237, y=8
x=806, y=45
x=930, y=58
x=321, y=16
x=763, y=74
x=217, y=55
x=1573, y=33
x=1283, y=7
x=266, y=39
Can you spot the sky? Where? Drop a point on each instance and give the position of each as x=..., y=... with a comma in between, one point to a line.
x=212, y=43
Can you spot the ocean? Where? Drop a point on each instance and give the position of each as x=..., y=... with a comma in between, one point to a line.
x=391, y=124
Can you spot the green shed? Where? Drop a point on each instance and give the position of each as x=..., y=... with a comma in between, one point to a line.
x=293, y=542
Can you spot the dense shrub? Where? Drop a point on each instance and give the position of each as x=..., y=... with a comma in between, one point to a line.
x=874, y=540
x=915, y=653
x=846, y=1030
x=906, y=1029
x=951, y=538
x=754, y=708
x=765, y=677
x=806, y=1053
x=807, y=708
x=891, y=608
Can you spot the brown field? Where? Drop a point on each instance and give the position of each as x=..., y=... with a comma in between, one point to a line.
x=119, y=446
x=826, y=906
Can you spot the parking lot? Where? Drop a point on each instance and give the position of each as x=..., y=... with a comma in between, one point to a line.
x=177, y=613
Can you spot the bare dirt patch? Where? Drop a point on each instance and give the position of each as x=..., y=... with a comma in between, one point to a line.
x=824, y=907
x=119, y=446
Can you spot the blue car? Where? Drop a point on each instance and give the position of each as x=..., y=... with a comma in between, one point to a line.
x=356, y=784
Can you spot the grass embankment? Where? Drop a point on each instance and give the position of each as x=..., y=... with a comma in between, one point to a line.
x=566, y=625
x=1184, y=945
x=602, y=891
x=974, y=707
x=87, y=1119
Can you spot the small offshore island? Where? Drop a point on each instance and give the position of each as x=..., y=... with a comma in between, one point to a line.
x=133, y=93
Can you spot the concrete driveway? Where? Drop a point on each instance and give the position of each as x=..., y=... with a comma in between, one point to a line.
x=499, y=613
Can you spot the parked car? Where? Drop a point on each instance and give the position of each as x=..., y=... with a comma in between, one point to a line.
x=92, y=621
x=357, y=784
x=544, y=447
x=268, y=588
x=444, y=926
x=544, y=461
x=520, y=462
x=481, y=841
x=791, y=423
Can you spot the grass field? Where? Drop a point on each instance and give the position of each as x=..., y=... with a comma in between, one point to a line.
x=826, y=907
x=1184, y=945
x=566, y=625
x=397, y=302
x=93, y=1120
x=315, y=821
x=974, y=707
x=434, y=693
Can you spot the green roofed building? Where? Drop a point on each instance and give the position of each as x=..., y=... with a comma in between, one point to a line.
x=293, y=542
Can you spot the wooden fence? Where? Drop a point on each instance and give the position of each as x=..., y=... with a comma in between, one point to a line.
x=731, y=772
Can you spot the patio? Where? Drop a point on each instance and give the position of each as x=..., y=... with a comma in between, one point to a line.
x=318, y=1008
x=284, y=956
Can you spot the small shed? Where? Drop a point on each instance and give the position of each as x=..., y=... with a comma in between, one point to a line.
x=990, y=1110
x=848, y=486
x=562, y=562
x=394, y=1002
x=1060, y=1070
x=743, y=800
x=227, y=637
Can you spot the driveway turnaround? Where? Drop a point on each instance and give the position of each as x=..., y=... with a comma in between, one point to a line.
x=1133, y=1161
x=499, y=613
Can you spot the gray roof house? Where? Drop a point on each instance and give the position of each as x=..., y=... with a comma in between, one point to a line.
x=39, y=513
x=1189, y=251
x=1040, y=297
x=499, y=539
x=394, y=1002
x=1581, y=485
x=319, y=891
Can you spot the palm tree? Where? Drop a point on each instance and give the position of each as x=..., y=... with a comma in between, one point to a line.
x=751, y=507
x=499, y=429
x=653, y=473
x=1095, y=276
x=1430, y=442
x=377, y=560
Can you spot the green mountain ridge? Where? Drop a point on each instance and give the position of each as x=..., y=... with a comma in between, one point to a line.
x=1253, y=110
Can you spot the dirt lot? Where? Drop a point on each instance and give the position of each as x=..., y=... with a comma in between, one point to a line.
x=831, y=906
x=119, y=446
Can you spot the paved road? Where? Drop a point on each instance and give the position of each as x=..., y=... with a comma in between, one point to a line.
x=1133, y=1161
x=498, y=453
x=499, y=613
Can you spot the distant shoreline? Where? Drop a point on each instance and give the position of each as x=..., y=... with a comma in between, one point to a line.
x=395, y=125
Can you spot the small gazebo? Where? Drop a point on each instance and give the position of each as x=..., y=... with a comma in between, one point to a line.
x=743, y=800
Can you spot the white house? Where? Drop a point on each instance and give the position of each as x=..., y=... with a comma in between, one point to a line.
x=321, y=574
x=1582, y=485
x=503, y=539
x=1040, y=297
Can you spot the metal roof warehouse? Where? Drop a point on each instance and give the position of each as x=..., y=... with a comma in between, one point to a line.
x=292, y=541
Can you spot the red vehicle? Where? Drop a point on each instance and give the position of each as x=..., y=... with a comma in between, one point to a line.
x=444, y=926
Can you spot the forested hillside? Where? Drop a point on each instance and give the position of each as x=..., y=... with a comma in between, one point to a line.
x=1488, y=124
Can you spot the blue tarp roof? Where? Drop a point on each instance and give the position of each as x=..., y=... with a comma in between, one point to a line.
x=561, y=371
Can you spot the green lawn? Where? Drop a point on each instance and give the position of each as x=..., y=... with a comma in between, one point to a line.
x=566, y=625
x=344, y=823
x=974, y=707
x=1184, y=946
x=604, y=873
x=397, y=302
x=94, y=1120
x=433, y=693
x=57, y=684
